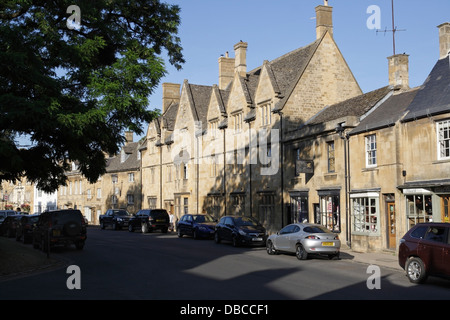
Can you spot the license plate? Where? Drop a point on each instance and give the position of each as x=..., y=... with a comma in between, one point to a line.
x=56, y=233
x=160, y=220
x=257, y=239
x=327, y=244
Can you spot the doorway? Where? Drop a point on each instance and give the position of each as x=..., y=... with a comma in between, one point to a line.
x=445, y=209
x=391, y=228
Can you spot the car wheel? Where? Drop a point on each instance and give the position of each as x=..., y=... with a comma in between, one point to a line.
x=144, y=228
x=216, y=237
x=114, y=226
x=35, y=244
x=195, y=234
x=415, y=270
x=270, y=248
x=102, y=225
x=130, y=228
x=300, y=252
x=180, y=235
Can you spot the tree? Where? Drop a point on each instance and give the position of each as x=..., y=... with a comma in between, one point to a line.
x=74, y=78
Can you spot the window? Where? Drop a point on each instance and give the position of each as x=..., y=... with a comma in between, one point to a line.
x=266, y=207
x=371, y=151
x=238, y=122
x=331, y=159
x=131, y=177
x=266, y=114
x=213, y=127
x=130, y=198
x=329, y=215
x=443, y=131
x=151, y=202
x=238, y=203
x=419, y=209
x=99, y=193
x=89, y=195
x=365, y=213
x=299, y=208
x=114, y=178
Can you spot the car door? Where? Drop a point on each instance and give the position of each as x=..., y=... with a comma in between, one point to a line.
x=188, y=225
x=282, y=240
x=227, y=229
x=446, y=255
x=431, y=248
x=293, y=238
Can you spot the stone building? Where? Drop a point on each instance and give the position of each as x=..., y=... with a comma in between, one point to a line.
x=217, y=148
x=120, y=187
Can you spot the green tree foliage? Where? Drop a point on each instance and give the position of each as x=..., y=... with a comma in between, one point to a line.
x=74, y=90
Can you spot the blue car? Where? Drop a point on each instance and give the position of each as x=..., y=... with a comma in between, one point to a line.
x=196, y=225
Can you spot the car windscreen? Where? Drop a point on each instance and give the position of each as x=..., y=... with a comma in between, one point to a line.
x=158, y=213
x=203, y=218
x=245, y=221
x=316, y=229
x=120, y=213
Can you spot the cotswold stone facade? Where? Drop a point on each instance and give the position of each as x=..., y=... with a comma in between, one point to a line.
x=219, y=148
x=293, y=139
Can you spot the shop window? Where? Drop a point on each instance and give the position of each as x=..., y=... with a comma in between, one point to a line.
x=365, y=214
x=329, y=212
x=299, y=209
x=419, y=208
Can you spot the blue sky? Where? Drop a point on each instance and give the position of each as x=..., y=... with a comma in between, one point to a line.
x=271, y=28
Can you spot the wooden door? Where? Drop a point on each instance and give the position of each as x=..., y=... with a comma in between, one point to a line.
x=391, y=226
x=445, y=208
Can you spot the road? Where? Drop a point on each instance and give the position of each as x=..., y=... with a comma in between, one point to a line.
x=122, y=265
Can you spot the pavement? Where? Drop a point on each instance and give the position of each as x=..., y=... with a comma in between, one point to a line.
x=386, y=259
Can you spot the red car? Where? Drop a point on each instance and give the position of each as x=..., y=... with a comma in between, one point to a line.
x=425, y=250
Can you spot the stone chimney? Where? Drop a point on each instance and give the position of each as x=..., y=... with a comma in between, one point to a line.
x=324, y=19
x=444, y=39
x=226, y=71
x=399, y=71
x=240, y=62
x=128, y=137
x=171, y=94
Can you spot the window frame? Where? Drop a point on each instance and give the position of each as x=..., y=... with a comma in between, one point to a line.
x=443, y=148
x=371, y=154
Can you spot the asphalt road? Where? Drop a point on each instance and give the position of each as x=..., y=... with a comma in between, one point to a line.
x=133, y=266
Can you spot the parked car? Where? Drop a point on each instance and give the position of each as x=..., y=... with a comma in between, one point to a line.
x=116, y=218
x=9, y=225
x=196, y=225
x=5, y=213
x=240, y=231
x=148, y=220
x=60, y=227
x=304, y=239
x=25, y=226
x=425, y=250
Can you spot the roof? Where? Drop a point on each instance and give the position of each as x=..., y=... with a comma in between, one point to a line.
x=356, y=106
x=387, y=113
x=433, y=96
x=131, y=163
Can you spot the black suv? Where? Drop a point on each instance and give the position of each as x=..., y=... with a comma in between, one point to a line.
x=148, y=220
x=60, y=227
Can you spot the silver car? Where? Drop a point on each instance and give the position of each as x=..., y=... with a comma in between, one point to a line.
x=303, y=239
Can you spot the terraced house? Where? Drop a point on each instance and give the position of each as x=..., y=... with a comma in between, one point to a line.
x=294, y=139
x=220, y=148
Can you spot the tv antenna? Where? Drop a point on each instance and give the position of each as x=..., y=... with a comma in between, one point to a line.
x=394, y=28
